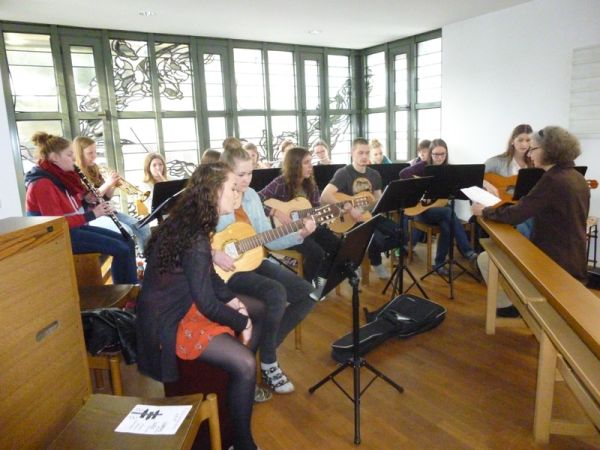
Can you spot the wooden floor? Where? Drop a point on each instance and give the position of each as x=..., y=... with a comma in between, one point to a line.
x=463, y=389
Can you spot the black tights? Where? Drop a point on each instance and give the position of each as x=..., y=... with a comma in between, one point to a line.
x=228, y=353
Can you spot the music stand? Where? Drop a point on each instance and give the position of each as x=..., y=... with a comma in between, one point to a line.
x=449, y=180
x=166, y=189
x=324, y=173
x=528, y=178
x=397, y=196
x=262, y=177
x=160, y=210
x=388, y=172
x=348, y=258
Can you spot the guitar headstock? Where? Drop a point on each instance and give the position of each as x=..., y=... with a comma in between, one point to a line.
x=362, y=201
x=326, y=213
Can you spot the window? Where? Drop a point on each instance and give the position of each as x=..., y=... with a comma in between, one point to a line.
x=340, y=123
x=429, y=89
x=174, y=70
x=249, y=78
x=131, y=75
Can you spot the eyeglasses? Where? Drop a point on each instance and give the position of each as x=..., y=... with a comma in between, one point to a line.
x=438, y=155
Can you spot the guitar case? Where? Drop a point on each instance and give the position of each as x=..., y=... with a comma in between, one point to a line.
x=402, y=317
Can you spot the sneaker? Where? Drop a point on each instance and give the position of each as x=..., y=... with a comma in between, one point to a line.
x=277, y=381
x=471, y=257
x=319, y=284
x=441, y=270
x=509, y=311
x=381, y=271
x=359, y=272
x=262, y=394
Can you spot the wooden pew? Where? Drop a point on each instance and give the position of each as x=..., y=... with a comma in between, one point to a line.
x=46, y=399
x=563, y=315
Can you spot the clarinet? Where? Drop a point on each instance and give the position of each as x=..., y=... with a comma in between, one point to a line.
x=94, y=191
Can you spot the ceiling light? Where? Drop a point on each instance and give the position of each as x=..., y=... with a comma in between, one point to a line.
x=147, y=13
x=315, y=32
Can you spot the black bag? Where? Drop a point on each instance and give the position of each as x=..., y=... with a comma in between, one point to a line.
x=110, y=329
x=402, y=316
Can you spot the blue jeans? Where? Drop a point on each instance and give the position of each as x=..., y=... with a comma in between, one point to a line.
x=441, y=217
x=526, y=228
x=141, y=234
x=88, y=239
x=385, y=237
x=286, y=298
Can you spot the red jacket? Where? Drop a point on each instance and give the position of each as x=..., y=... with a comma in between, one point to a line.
x=45, y=198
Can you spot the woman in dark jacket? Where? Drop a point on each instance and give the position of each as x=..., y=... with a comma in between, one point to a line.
x=186, y=311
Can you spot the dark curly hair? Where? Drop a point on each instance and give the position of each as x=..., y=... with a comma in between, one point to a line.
x=292, y=173
x=195, y=214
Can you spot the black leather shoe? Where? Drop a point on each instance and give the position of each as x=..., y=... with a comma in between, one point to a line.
x=509, y=311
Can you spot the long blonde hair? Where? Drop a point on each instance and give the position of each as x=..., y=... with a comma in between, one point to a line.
x=92, y=172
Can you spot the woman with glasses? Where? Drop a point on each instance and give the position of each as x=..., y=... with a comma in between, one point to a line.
x=441, y=216
x=559, y=227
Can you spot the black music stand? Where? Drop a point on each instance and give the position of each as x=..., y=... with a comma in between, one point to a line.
x=397, y=196
x=528, y=178
x=262, y=177
x=448, y=182
x=168, y=197
x=389, y=172
x=348, y=258
x=324, y=173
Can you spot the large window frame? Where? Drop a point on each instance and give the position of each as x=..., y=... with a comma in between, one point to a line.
x=354, y=112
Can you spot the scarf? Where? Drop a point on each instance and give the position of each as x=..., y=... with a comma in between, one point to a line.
x=70, y=179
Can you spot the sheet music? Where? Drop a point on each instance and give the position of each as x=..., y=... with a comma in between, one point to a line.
x=479, y=195
x=147, y=419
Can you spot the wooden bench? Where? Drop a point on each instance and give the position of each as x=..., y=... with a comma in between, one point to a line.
x=562, y=314
x=46, y=396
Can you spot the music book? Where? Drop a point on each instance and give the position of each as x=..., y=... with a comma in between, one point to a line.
x=147, y=419
x=478, y=195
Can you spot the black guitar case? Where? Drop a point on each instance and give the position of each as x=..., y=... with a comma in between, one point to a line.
x=402, y=317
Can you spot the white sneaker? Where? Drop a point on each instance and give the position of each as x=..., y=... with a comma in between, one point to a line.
x=277, y=381
x=381, y=272
x=359, y=272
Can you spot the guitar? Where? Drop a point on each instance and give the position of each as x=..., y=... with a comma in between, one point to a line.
x=300, y=207
x=241, y=242
x=505, y=185
x=345, y=221
x=424, y=205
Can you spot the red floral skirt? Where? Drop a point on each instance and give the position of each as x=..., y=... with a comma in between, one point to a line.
x=195, y=332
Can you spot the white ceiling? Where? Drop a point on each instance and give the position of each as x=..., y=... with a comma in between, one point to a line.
x=343, y=23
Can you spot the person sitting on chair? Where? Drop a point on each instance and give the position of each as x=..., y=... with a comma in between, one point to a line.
x=55, y=189
x=297, y=180
x=353, y=179
x=186, y=311
x=441, y=216
x=286, y=296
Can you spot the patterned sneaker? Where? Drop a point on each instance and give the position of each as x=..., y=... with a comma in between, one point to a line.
x=276, y=380
x=262, y=394
x=381, y=271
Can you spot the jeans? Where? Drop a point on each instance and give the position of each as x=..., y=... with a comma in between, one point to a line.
x=442, y=217
x=141, y=234
x=88, y=239
x=385, y=238
x=319, y=250
x=286, y=299
x=526, y=228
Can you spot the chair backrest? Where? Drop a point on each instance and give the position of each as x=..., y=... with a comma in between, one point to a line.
x=44, y=374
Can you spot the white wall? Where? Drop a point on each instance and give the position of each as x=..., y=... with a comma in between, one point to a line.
x=10, y=203
x=511, y=67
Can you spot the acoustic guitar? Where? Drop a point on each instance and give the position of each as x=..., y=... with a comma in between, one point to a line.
x=424, y=205
x=241, y=242
x=506, y=186
x=345, y=221
x=300, y=207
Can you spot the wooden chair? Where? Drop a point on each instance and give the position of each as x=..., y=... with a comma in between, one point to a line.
x=92, y=269
x=300, y=271
x=107, y=296
x=430, y=231
x=45, y=375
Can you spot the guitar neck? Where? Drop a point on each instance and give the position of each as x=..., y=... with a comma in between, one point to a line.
x=265, y=237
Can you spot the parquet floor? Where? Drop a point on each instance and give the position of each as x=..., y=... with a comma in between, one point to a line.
x=463, y=389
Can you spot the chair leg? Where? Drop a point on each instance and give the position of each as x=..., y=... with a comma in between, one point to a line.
x=429, y=245
x=298, y=336
x=115, y=374
x=214, y=428
x=410, y=242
